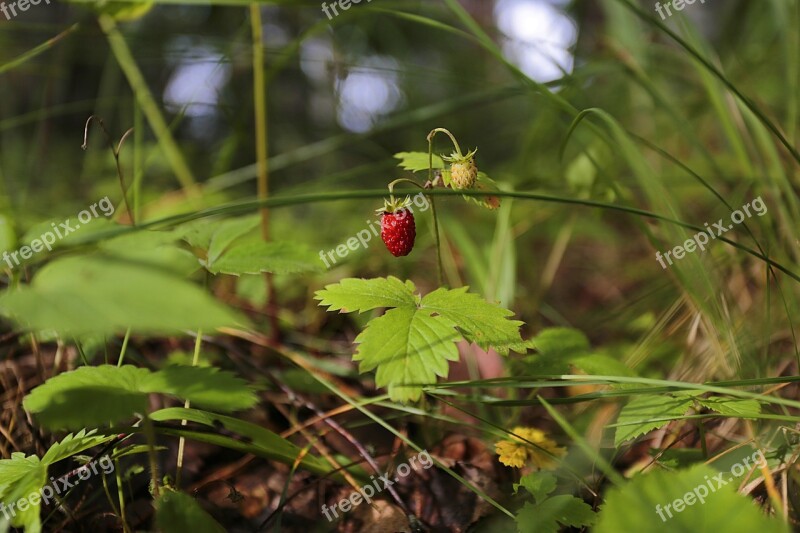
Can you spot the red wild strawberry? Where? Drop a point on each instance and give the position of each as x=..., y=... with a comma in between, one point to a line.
x=398, y=231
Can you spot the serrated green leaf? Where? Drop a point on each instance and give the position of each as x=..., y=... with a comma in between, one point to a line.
x=94, y=295
x=538, y=484
x=636, y=505
x=639, y=414
x=205, y=387
x=411, y=344
x=361, y=295
x=254, y=256
x=177, y=511
x=91, y=396
x=418, y=161
x=550, y=515
x=72, y=444
x=408, y=347
x=738, y=407
x=481, y=322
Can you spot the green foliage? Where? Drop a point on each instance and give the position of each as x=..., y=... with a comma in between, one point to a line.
x=177, y=511
x=737, y=407
x=550, y=513
x=633, y=507
x=98, y=295
x=21, y=476
x=647, y=412
x=418, y=161
x=411, y=344
x=91, y=396
x=250, y=438
x=235, y=247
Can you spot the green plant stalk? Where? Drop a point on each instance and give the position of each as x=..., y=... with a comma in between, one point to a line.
x=182, y=441
x=30, y=54
x=262, y=149
x=150, y=435
x=121, y=497
x=124, y=347
x=440, y=269
x=247, y=206
x=148, y=104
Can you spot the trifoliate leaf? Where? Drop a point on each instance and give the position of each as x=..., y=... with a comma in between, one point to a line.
x=738, y=407
x=90, y=396
x=411, y=344
x=648, y=503
x=648, y=412
x=418, y=161
x=554, y=513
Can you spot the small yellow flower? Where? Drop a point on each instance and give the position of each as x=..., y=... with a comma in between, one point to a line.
x=515, y=452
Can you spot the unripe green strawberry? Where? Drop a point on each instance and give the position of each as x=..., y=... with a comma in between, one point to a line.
x=463, y=170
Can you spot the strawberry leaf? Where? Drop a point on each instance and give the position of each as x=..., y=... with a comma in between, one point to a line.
x=361, y=295
x=417, y=161
x=411, y=344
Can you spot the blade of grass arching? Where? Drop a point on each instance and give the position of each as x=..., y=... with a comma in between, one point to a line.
x=521, y=383
x=647, y=17
x=695, y=279
x=149, y=107
x=247, y=206
x=44, y=47
x=670, y=109
x=300, y=361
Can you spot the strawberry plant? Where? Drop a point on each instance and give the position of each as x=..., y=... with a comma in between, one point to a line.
x=598, y=337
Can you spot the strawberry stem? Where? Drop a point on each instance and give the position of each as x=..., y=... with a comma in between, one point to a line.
x=433, y=133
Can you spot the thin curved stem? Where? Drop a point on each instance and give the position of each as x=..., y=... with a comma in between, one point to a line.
x=433, y=133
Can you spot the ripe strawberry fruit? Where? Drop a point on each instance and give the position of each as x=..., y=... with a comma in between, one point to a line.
x=398, y=231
